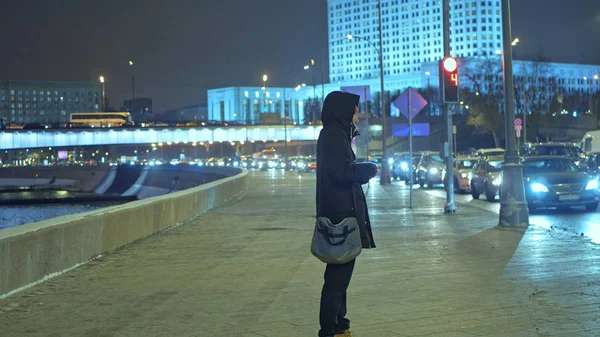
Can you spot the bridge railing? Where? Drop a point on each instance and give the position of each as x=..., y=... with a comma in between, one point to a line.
x=20, y=139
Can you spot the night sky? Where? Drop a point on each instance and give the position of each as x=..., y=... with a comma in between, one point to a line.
x=181, y=48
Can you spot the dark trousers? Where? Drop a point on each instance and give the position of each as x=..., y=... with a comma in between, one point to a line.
x=332, y=316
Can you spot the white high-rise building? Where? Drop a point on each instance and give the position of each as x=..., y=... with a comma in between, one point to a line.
x=412, y=34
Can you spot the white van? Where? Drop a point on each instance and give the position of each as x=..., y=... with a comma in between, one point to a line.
x=591, y=142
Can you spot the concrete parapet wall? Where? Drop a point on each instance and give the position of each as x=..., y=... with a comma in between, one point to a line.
x=82, y=177
x=34, y=252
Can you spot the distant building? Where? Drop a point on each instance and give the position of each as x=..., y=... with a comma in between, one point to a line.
x=24, y=102
x=195, y=112
x=139, y=108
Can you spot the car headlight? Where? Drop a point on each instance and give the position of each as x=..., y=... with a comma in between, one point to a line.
x=434, y=170
x=236, y=164
x=497, y=181
x=244, y=164
x=539, y=188
x=464, y=175
x=592, y=185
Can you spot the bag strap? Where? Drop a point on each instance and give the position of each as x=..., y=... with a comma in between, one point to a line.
x=330, y=236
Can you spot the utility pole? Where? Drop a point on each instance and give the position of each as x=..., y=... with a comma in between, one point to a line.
x=513, y=208
x=384, y=178
x=450, y=205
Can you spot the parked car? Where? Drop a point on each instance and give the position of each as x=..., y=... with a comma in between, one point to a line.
x=462, y=174
x=553, y=181
x=486, y=177
x=429, y=169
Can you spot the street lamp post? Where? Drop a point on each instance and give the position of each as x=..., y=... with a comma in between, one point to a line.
x=103, y=99
x=428, y=92
x=513, y=208
x=589, y=83
x=285, y=144
x=132, y=81
x=597, y=111
x=385, y=174
x=264, y=88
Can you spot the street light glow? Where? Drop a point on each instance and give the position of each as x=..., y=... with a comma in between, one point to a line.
x=303, y=85
x=101, y=79
x=427, y=73
x=130, y=63
x=515, y=41
x=349, y=36
x=595, y=77
x=265, y=77
x=306, y=67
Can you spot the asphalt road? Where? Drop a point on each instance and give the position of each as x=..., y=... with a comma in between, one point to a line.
x=575, y=220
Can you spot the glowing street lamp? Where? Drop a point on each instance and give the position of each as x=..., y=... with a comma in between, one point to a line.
x=103, y=102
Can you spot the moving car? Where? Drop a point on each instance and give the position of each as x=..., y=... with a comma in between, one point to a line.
x=593, y=163
x=591, y=141
x=553, y=181
x=429, y=169
x=486, y=177
x=568, y=150
x=400, y=166
x=488, y=152
x=462, y=174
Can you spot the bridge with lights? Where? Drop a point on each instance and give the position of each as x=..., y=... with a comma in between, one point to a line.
x=21, y=139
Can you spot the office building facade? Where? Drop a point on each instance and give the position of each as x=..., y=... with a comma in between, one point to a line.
x=23, y=102
x=412, y=34
x=412, y=46
x=140, y=108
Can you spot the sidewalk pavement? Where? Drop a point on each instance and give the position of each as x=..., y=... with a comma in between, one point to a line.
x=245, y=270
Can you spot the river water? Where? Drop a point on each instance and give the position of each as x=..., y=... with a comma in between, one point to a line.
x=11, y=216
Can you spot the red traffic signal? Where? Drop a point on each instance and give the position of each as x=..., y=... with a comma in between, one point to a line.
x=450, y=64
x=449, y=80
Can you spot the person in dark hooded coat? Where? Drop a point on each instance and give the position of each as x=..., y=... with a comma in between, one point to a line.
x=339, y=196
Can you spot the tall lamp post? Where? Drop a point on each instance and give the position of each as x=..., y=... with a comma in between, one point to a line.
x=513, y=208
x=264, y=88
x=103, y=99
x=132, y=87
x=385, y=174
x=597, y=112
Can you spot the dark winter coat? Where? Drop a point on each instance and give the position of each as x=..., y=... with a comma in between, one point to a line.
x=339, y=177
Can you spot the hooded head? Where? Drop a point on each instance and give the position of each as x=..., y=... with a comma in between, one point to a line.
x=338, y=110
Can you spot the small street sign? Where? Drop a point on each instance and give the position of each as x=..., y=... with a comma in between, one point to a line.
x=518, y=129
x=518, y=122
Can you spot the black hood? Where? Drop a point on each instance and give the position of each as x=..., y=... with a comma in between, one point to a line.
x=338, y=110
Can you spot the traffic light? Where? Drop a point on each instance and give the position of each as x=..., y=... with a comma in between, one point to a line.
x=449, y=80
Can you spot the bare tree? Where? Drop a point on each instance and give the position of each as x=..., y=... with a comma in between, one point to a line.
x=485, y=96
x=536, y=88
